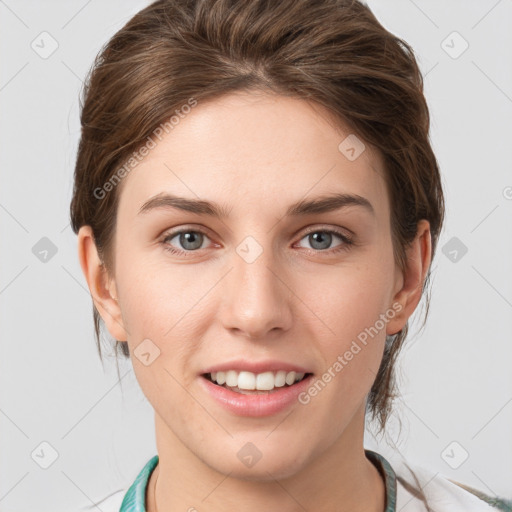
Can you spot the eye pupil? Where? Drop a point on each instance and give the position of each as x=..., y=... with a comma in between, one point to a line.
x=191, y=237
x=319, y=237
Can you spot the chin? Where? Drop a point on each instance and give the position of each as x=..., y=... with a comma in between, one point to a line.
x=266, y=469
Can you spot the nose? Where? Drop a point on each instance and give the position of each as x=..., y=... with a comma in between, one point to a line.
x=256, y=300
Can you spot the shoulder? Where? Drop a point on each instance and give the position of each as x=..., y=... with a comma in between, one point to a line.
x=129, y=499
x=112, y=503
x=442, y=493
x=497, y=502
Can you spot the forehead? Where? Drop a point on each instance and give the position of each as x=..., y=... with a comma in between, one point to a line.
x=255, y=150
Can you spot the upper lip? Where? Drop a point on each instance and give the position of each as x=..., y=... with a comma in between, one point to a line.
x=241, y=365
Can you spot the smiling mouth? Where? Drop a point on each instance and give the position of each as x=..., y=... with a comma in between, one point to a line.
x=248, y=383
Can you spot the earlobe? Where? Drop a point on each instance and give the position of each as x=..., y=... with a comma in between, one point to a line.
x=101, y=287
x=418, y=259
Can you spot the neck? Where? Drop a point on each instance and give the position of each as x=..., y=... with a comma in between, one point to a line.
x=342, y=476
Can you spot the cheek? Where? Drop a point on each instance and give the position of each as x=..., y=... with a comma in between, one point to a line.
x=350, y=300
x=155, y=296
x=352, y=304
x=351, y=348
x=160, y=310
x=169, y=307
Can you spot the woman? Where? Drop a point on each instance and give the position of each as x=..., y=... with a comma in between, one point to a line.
x=257, y=207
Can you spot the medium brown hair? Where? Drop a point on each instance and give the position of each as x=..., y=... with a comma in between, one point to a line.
x=331, y=52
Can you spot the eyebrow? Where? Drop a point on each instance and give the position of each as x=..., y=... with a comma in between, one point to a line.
x=323, y=204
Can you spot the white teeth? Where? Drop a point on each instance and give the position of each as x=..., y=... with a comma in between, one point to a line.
x=246, y=380
x=280, y=379
x=265, y=381
x=231, y=378
x=290, y=378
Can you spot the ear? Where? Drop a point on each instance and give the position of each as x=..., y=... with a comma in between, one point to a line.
x=101, y=286
x=409, y=283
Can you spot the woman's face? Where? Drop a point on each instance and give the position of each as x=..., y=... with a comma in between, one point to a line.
x=259, y=289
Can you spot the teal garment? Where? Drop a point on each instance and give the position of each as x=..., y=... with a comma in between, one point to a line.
x=135, y=498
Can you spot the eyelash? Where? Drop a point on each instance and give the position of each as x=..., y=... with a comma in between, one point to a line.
x=345, y=246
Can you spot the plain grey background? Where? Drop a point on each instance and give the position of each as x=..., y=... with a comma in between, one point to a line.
x=57, y=401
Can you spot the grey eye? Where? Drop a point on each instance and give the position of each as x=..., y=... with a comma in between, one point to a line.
x=189, y=240
x=321, y=240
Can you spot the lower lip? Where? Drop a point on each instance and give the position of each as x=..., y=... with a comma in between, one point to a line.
x=256, y=405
